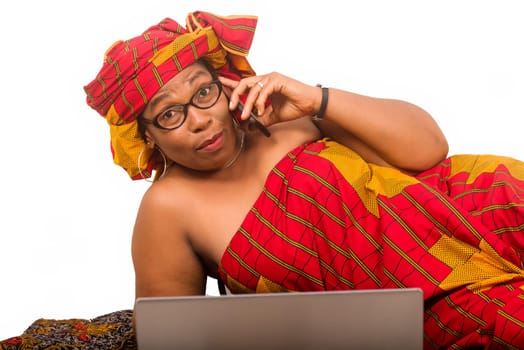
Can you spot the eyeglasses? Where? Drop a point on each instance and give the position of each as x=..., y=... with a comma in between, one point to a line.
x=174, y=116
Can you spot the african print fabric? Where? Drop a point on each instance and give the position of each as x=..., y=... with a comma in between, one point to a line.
x=113, y=331
x=327, y=220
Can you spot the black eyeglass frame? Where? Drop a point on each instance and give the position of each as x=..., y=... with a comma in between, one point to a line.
x=185, y=106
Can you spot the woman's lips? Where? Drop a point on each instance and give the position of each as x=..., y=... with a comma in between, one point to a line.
x=212, y=144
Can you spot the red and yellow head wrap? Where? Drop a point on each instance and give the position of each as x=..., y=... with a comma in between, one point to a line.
x=135, y=69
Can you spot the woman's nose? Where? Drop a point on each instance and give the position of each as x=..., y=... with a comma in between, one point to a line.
x=197, y=119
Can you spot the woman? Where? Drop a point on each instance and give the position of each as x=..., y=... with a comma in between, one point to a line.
x=354, y=200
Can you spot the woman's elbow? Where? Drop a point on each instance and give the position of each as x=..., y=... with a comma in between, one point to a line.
x=433, y=153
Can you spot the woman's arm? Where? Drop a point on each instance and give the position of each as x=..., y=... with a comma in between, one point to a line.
x=164, y=261
x=383, y=131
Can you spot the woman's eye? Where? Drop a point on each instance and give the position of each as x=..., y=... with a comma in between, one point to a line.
x=168, y=114
x=204, y=91
x=171, y=115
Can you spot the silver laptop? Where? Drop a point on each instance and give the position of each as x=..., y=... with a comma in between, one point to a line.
x=361, y=319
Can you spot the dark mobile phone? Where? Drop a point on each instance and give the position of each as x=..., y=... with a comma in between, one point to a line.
x=252, y=120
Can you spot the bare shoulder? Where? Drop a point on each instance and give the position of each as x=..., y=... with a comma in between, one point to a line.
x=164, y=261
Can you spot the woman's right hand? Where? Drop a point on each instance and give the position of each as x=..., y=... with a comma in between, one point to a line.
x=273, y=97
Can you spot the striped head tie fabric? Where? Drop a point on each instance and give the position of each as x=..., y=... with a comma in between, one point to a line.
x=134, y=70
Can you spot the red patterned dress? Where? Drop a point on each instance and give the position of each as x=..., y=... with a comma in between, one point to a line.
x=327, y=220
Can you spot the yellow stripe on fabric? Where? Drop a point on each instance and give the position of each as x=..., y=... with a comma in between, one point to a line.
x=475, y=165
x=128, y=104
x=505, y=344
x=229, y=46
x=194, y=51
x=281, y=175
x=428, y=177
x=181, y=42
x=282, y=235
x=361, y=229
x=140, y=90
x=393, y=278
x=318, y=206
x=177, y=63
x=421, y=209
x=463, y=193
x=118, y=72
x=306, y=249
x=505, y=184
x=103, y=86
x=242, y=263
x=274, y=199
x=158, y=76
x=338, y=277
x=410, y=261
x=136, y=66
x=497, y=206
x=336, y=219
x=318, y=232
x=442, y=325
x=234, y=48
x=455, y=211
x=437, y=174
x=487, y=299
x=318, y=178
x=511, y=318
x=402, y=223
x=330, y=243
x=154, y=47
x=117, y=77
x=279, y=261
x=347, y=254
x=464, y=313
x=478, y=268
x=367, y=179
x=364, y=267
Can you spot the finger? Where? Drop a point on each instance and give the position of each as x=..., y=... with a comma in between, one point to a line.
x=263, y=89
x=229, y=86
x=248, y=90
x=263, y=98
x=228, y=82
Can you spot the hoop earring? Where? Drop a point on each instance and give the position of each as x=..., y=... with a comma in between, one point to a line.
x=140, y=159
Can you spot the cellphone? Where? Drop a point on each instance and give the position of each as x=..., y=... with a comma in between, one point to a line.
x=253, y=120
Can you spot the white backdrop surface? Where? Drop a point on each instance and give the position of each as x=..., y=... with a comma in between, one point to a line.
x=67, y=212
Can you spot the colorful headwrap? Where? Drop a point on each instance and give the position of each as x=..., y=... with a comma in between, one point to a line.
x=135, y=69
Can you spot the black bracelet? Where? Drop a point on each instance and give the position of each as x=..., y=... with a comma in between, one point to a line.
x=323, y=103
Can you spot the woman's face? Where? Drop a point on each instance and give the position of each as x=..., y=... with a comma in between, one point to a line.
x=206, y=139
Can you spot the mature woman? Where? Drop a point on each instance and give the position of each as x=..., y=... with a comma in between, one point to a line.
x=341, y=191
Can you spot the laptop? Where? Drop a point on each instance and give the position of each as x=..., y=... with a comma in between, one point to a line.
x=358, y=319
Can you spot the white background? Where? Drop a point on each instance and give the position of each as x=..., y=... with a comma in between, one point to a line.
x=67, y=212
